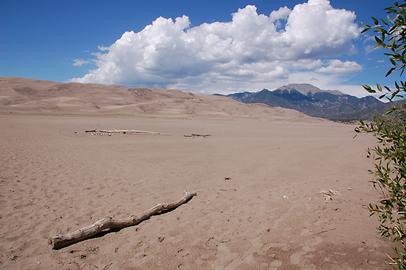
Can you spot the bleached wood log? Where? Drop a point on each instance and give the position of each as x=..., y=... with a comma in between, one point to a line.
x=124, y=131
x=108, y=224
x=197, y=135
x=129, y=131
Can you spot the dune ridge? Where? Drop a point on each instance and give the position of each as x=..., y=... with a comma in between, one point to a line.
x=27, y=96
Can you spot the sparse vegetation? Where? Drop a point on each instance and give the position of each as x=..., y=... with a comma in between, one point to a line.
x=390, y=130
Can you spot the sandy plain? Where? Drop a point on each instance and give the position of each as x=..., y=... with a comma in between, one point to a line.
x=269, y=215
x=259, y=178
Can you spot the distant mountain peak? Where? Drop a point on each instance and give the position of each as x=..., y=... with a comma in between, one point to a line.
x=306, y=88
x=313, y=101
x=303, y=88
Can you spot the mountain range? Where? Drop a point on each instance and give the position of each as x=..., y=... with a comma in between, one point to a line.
x=308, y=99
x=22, y=95
x=291, y=101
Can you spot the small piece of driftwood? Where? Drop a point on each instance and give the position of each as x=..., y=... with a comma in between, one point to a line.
x=197, y=135
x=109, y=224
x=122, y=131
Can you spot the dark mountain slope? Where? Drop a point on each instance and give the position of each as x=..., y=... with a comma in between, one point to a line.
x=312, y=101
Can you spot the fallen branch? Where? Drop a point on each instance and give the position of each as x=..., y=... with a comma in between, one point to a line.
x=329, y=230
x=197, y=135
x=109, y=224
x=122, y=131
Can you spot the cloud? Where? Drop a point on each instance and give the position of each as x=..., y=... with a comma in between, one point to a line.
x=280, y=14
x=80, y=62
x=251, y=51
x=340, y=67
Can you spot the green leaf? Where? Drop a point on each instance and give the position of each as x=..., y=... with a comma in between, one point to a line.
x=376, y=22
x=384, y=22
x=368, y=88
x=379, y=42
x=366, y=28
x=390, y=71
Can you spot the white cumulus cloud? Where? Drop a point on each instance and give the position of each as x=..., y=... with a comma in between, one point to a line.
x=251, y=51
x=340, y=67
x=282, y=13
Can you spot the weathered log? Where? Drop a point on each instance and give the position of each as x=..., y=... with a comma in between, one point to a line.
x=129, y=131
x=124, y=131
x=197, y=135
x=109, y=224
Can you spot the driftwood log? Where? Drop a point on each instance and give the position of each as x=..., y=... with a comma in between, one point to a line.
x=196, y=135
x=109, y=224
x=123, y=131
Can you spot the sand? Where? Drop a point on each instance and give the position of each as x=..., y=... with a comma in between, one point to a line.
x=270, y=214
x=276, y=189
x=21, y=95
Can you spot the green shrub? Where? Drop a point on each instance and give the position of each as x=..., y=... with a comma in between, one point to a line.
x=390, y=178
x=390, y=131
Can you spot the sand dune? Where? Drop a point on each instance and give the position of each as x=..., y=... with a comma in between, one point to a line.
x=270, y=212
x=26, y=95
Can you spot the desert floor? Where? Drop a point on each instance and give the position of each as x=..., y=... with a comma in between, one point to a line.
x=269, y=215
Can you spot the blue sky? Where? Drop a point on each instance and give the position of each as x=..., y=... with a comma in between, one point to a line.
x=41, y=39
